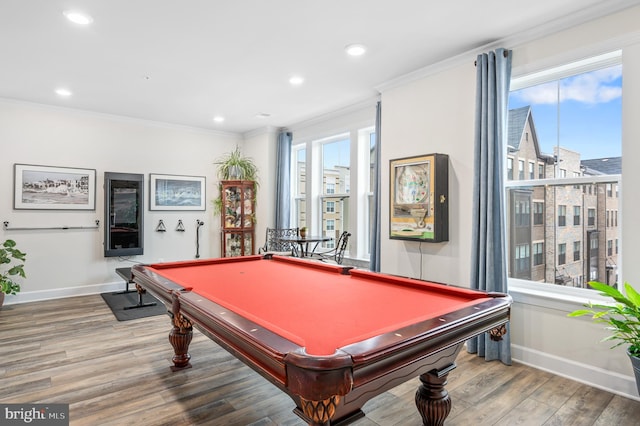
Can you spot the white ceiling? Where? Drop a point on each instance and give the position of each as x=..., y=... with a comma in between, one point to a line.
x=183, y=62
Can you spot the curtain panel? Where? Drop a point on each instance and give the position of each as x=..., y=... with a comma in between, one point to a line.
x=488, y=253
x=283, y=180
x=376, y=226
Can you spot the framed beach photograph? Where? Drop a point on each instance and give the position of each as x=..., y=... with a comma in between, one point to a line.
x=54, y=188
x=173, y=192
x=419, y=198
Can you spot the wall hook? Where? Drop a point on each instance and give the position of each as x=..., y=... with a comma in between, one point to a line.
x=161, y=227
x=180, y=227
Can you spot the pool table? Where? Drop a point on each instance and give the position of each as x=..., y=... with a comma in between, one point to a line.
x=331, y=337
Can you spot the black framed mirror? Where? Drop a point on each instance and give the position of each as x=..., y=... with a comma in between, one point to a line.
x=123, y=214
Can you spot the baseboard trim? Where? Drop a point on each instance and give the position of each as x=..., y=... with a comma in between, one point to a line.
x=609, y=381
x=60, y=293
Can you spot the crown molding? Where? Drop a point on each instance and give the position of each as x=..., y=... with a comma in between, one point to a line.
x=120, y=118
x=599, y=10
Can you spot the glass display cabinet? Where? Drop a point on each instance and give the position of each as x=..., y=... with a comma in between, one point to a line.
x=238, y=217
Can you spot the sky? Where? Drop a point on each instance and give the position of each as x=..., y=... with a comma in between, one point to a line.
x=589, y=111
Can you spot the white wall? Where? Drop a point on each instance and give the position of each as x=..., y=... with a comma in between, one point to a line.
x=69, y=262
x=436, y=114
x=261, y=146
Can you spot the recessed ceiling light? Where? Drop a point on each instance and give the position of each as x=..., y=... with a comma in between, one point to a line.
x=218, y=119
x=78, y=17
x=63, y=92
x=296, y=80
x=355, y=50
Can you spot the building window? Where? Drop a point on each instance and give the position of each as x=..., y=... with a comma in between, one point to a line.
x=509, y=168
x=559, y=105
x=562, y=253
x=330, y=225
x=522, y=258
x=331, y=207
x=520, y=169
x=538, y=254
x=532, y=171
x=609, y=247
x=562, y=215
x=538, y=213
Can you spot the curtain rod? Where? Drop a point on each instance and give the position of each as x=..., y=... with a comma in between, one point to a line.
x=505, y=53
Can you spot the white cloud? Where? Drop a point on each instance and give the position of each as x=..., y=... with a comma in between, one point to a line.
x=591, y=88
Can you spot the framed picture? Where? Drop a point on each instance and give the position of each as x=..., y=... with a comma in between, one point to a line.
x=170, y=192
x=53, y=188
x=419, y=198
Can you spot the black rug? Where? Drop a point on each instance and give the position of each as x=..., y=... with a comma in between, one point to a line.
x=119, y=301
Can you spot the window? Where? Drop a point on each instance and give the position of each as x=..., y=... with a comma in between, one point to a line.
x=562, y=215
x=538, y=254
x=324, y=199
x=538, y=213
x=562, y=253
x=522, y=258
x=532, y=170
x=521, y=169
x=573, y=117
x=509, y=168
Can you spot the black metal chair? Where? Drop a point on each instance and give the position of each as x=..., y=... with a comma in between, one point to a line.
x=274, y=244
x=336, y=254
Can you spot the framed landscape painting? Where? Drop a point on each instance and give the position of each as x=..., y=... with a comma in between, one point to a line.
x=54, y=188
x=172, y=192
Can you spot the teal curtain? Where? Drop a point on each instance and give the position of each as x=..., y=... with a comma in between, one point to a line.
x=283, y=180
x=488, y=253
x=374, y=261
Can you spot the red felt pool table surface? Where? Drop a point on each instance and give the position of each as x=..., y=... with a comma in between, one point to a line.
x=319, y=308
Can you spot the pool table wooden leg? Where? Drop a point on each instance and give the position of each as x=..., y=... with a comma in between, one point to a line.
x=432, y=399
x=180, y=337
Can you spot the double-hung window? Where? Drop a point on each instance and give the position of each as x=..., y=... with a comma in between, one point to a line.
x=567, y=122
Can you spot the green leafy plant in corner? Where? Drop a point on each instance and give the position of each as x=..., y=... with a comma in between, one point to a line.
x=10, y=258
x=622, y=316
x=234, y=166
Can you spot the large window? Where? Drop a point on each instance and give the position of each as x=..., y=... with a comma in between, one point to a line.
x=567, y=122
x=332, y=186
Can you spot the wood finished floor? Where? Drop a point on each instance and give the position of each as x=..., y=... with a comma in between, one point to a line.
x=117, y=373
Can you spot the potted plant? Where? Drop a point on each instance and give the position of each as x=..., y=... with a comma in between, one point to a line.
x=622, y=318
x=303, y=232
x=234, y=166
x=10, y=257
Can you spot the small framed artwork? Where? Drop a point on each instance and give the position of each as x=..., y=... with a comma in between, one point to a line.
x=53, y=188
x=172, y=192
x=419, y=206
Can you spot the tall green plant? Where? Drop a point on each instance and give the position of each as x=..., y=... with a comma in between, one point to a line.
x=9, y=255
x=235, y=166
x=622, y=317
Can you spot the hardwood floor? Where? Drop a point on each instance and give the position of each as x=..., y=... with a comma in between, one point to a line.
x=117, y=373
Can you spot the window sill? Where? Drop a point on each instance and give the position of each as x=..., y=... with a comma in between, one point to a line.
x=551, y=296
